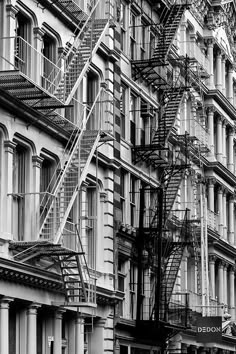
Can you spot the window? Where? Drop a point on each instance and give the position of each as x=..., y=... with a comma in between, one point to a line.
x=133, y=290
x=92, y=90
x=132, y=201
x=50, y=57
x=152, y=44
x=132, y=119
x=123, y=95
x=143, y=40
x=88, y=223
x=122, y=196
x=123, y=25
x=148, y=119
x=22, y=48
x=133, y=48
x=46, y=186
x=19, y=189
x=121, y=282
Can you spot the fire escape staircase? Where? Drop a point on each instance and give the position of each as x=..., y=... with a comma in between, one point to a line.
x=62, y=84
x=78, y=57
x=156, y=153
x=150, y=69
x=79, y=287
x=171, y=266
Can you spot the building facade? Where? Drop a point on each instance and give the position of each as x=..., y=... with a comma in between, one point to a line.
x=117, y=178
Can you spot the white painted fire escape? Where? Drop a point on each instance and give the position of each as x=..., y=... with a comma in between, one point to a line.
x=79, y=286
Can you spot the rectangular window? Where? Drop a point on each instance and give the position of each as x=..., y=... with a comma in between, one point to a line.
x=132, y=120
x=123, y=26
x=152, y=44
x=122, y=196
x=19, y=189
x=121, y=283
x=92, y=90
x=133, y=35
x=133, y=290
x=123, y=93
x=144, y=41
x=132, y=201
x=91, y=224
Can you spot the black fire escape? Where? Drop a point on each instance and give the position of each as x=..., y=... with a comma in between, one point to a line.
x=163, y=233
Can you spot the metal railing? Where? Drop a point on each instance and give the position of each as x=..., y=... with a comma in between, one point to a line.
x=18, y=54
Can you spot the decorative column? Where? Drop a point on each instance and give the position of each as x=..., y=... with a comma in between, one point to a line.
x=32, y=329
x=231, y=291
x=211, y=111
x=184, y=273
x=219, y=139
x=225, y=286
x=230, y=164
x=230, y=90
x=37, y=59
x=4, y=325
x=223, y=75
x=212, y=260
x=97, y=345
x=224, y=142
x=58, y=331
x=193, y=38
x=211, y=204
x=79, y=335
x=231, y=219
x=210, y=44
x=9, y=25
x=9, y=147
x=183, y=39
x=218, y=71
x=220, y=209
x=35, y=199
x=225, y=191
x=221, y=283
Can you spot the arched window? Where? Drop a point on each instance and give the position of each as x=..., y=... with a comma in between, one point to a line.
x=22, y=48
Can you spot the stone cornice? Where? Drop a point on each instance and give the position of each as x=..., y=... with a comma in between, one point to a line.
x=223, y=102
x=28, y=275
x=222, y=171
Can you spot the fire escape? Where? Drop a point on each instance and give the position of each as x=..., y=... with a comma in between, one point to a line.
x=42, y=97
x=163, y=233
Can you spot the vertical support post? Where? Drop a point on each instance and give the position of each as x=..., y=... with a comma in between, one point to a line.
x=140, y=246
x=159, y=253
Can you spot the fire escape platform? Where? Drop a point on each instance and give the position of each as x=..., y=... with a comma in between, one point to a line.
x=145, y=69
x=39, y=248
x=21, y=87
x=67, y=10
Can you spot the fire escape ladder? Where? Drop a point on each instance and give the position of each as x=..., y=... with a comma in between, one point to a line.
x=171, y=189
x=73, y=173
x=169, y=31
x=167, y=120
x=172, y=264
x=78, y=58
